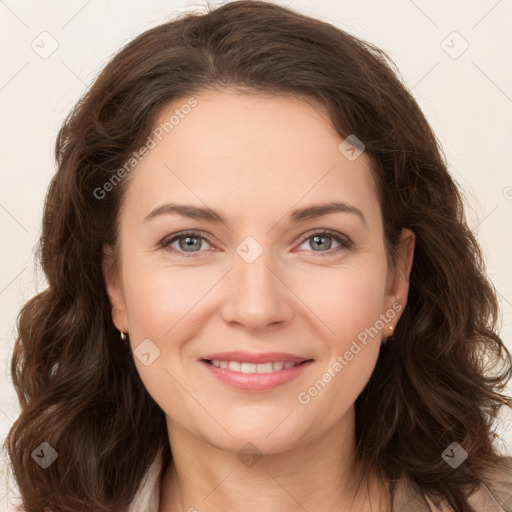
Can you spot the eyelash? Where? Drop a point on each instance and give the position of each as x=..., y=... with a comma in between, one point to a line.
x=345, y=242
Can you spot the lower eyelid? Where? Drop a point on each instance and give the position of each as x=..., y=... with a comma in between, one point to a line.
x=166, y=242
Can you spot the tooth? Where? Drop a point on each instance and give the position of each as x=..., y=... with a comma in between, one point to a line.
x=248, y=368
x=237, y=366
x=234, y=365
x=264, y=368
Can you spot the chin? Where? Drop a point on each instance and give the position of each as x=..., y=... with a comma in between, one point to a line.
x=265, y=439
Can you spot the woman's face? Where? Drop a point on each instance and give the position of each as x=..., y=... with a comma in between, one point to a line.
x=243, y=264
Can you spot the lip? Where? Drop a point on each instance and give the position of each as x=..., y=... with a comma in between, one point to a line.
x=256, y=358
x=256, y=382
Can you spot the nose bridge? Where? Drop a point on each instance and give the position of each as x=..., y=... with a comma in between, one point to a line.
x=257, y=296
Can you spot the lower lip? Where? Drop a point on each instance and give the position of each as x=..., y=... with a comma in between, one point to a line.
x=256, y=381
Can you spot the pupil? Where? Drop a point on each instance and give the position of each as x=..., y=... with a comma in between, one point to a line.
x=316, y=238
x=188, y=245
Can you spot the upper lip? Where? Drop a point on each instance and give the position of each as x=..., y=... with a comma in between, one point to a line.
x=247, y=357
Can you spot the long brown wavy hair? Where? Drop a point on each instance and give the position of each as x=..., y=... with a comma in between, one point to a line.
x=440, y=379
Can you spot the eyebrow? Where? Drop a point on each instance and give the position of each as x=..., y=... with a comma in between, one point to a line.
x=296, y=216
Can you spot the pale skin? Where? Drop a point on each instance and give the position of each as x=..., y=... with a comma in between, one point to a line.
x=254, y=159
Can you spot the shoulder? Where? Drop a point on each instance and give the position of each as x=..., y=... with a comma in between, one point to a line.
x=494, y=494
x=497, y=484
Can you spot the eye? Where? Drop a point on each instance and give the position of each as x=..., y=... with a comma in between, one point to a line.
x=188, y=242
x=321, y=239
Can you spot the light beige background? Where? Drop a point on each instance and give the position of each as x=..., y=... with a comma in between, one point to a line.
x=466, y=96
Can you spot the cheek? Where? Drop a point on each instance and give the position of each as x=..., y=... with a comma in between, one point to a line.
x=160, y=298
x=166, y=306
x=345, y=300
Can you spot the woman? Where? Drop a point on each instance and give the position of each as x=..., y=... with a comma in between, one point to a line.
x=263, y=293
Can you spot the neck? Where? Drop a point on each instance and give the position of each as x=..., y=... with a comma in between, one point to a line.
x=321, y=475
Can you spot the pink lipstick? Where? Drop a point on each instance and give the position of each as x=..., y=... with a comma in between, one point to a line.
x=255, y=371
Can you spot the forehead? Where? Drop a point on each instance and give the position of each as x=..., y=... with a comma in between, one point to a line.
x=252, y=153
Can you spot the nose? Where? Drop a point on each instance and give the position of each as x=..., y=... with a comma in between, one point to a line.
x=256, y=295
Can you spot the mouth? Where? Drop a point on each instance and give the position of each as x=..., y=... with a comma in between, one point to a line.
x=255, y=372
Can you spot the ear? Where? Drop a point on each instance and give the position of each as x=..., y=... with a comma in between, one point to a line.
x=113, y=282
x=397, y=285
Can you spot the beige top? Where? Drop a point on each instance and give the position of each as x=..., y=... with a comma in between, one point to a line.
x=496, y=496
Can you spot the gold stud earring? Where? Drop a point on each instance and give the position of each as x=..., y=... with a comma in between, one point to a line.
x=385, y=339
x=123, y=335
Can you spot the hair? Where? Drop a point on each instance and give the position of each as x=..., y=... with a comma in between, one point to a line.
x=79, y=388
